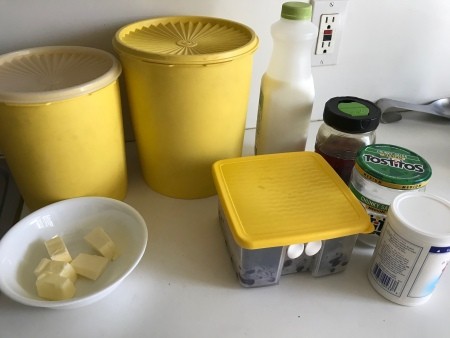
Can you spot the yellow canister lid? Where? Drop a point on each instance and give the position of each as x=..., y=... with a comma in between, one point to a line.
x=55, y=73
x=283, y=199
x=185, y=40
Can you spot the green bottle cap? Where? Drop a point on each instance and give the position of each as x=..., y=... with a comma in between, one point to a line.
x=296, y=11
x=393, y=167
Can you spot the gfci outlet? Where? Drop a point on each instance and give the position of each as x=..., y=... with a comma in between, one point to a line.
x=327, y=33
x=329, y=17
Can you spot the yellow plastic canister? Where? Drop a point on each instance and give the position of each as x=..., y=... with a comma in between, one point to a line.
x=188, y=81
x=61, y=123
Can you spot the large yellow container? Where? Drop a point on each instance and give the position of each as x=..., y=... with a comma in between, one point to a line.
x=188, y=82
x=61, y=123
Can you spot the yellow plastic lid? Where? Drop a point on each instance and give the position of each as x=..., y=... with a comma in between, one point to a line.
x=54, y=73
x=185, y=40
x=288, y=198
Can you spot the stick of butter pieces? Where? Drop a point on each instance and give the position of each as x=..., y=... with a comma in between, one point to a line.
x=56, y=277
x=52, y=286
x=57, y=249
x=101, y=242
x=90, y=266
x=63, y=269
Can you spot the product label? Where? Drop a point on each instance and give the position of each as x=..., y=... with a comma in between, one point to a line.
x=431, y=271
x=394, y=161
x=393, y=167
x=376, y=210
x=394, y=261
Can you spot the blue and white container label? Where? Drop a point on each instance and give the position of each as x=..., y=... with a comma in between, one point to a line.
x=404, y=270
x=394, y=262
x=413, y=250
x=430, y=272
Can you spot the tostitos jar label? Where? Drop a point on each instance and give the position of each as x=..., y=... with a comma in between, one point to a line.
x=382, y=172
x=377, y=211
x=393, y=167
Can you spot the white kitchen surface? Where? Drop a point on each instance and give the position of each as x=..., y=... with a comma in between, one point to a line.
x=185, y=285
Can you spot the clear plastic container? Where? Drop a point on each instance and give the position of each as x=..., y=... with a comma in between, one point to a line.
x=286, y=213
x=349, y=124
x=287, y=87
x=381, y=173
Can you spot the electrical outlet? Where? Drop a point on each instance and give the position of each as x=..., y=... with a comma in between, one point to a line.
x=329, y=17
x=326, y=38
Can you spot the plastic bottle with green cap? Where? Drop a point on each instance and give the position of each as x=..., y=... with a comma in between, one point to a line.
x=349, y=124
x=287, y=86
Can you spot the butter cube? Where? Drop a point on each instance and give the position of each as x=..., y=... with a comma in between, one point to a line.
x=51, y=286
x=57, y=249
x=90, y=266
x=63, y=269
x=101, y=242
x=42, y=266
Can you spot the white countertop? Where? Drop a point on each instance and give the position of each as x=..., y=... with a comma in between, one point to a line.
x=185, y=285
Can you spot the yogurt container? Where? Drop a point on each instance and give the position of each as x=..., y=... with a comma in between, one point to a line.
x=413, y=250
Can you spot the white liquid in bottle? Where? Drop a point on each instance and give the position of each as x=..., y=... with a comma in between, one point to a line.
x=287, y=87
x=283, y=117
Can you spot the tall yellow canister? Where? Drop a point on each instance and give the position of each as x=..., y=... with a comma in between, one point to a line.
x=61, y=123
x=188, y=82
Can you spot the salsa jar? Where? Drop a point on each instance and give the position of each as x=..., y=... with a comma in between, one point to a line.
x=381, y=173
x=349, y=124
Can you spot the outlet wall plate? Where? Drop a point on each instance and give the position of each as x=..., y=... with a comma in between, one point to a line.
x=329, y=17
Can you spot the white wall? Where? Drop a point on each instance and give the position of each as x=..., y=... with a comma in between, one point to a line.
x=389, y=48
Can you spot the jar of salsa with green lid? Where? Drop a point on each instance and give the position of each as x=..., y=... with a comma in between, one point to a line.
x=381, y=173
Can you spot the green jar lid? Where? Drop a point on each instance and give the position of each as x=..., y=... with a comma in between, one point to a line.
x=393, y=167
x=351, y=115
x=296, y=11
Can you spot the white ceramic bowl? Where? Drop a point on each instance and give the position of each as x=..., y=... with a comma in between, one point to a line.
x=22, y=247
